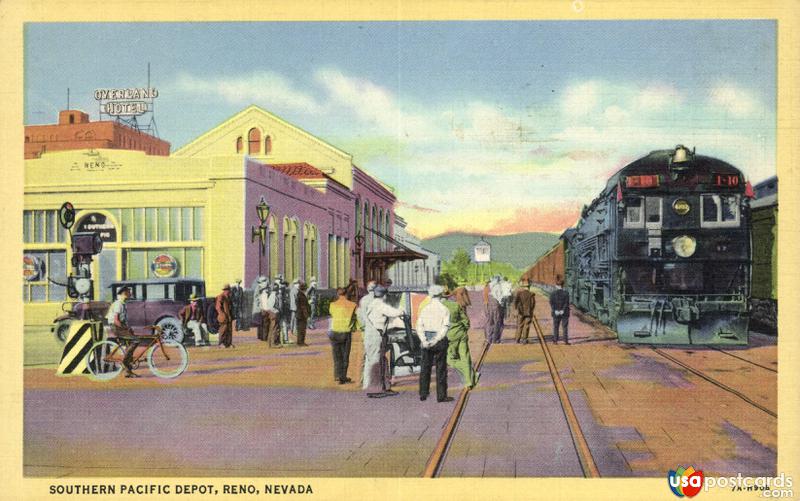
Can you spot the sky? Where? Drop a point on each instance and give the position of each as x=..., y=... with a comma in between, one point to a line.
x=484, y=127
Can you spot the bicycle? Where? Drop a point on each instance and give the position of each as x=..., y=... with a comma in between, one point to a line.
x=165, y=359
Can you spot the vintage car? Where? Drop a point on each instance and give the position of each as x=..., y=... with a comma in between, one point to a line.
x=158, y=302
x=75, y=310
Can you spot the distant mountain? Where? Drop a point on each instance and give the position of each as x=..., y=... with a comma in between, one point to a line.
x=520, y=250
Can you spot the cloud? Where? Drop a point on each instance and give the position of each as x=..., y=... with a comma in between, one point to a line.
x=268, y=88
x=736, y=101
x=582, y=99
x=656, y=98
x=374, y=105
x=541, y=217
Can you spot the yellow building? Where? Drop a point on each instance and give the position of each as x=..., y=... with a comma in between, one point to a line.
x=193, y=210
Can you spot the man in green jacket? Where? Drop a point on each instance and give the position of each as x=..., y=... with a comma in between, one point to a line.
x=458, y=355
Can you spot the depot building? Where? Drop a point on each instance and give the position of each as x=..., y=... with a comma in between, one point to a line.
x=253, y=196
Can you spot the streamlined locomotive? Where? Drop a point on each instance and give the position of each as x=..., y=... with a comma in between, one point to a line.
x=663, y=254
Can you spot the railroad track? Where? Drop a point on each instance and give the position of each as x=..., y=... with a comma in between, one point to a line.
x=589, y=467
x=715, y=382
x=436, y=460
x=771, y=369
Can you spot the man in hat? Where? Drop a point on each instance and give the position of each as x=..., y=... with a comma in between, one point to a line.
x=270, y=313
x=559, y=307
x=118, y=322
x=225, y=317
x=193, y=319
x=312, y=295
x=432, y=326
x=369, y=346
x=301, y=315
x=343, y=323
x=524, y=304
x=379, y=315
x=285, y=314
x=237, y=303
x=260, y=295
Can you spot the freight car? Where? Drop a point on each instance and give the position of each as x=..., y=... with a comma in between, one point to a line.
x=764, y=214
x=663, y=254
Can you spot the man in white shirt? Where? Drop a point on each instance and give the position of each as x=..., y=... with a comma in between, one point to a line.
x=294, y=290
x=379, y=315
x=432, y=326
x=372, y=338
x=269, y=312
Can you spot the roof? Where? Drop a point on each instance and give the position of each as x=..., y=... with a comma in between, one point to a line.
x=659, y=162
x=299, y=170
x=766, y=201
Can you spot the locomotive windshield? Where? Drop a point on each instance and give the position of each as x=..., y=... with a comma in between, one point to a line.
x=720, y=210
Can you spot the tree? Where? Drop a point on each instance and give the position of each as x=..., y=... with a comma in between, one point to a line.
x=461, y=262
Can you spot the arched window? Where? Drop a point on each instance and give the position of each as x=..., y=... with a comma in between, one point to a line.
x=372, y=225
x=309, y=251
x=332, y=278
x=239, y=145
x=274, y=260
x=388, y=225
x=358, y=216
x=296, y=258
x=381, y=242
x=268, y=145
x=287, y=249
x=254, y=141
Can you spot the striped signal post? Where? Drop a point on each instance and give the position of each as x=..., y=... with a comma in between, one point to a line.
x=82, y=335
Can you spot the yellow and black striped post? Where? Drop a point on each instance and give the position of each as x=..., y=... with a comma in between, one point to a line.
x=82, y=335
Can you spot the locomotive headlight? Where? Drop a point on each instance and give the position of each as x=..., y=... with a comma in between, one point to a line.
x=684, y=245
x=681, y=207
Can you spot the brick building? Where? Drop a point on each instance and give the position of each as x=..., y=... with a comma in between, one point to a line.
x=74, y=131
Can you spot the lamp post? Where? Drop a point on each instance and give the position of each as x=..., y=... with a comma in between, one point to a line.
x=359, y=241
x=260, y=232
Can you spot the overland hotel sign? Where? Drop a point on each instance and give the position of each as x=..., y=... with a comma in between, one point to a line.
x=125, y=102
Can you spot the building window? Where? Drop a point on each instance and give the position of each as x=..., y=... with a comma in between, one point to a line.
x=332, y=279
x=268, y=145
x=239, y=144
x=379, y=229
x=273, y=247
x=254, y=142
x=291, y=250
x=71, y=118
x=309, y=251
x=38, y=267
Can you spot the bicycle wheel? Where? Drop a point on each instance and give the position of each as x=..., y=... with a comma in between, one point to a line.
x=104, y=360
x=168, y=360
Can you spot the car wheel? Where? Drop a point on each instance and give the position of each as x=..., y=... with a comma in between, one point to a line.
x=173, y=330
x=61, y=330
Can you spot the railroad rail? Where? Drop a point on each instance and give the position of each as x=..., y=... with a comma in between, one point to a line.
x=588, y=465
x=715, y=382
x=771, y=369
x=436, y=460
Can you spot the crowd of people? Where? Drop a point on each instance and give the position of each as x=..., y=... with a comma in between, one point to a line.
x=281, y=311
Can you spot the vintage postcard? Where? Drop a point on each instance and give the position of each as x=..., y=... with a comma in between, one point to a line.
x=482, y=250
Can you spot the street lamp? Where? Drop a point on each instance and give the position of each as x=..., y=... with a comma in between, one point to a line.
x=359, y=241
x=260, y=232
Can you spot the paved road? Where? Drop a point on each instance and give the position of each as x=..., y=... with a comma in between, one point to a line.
x=252, y=411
